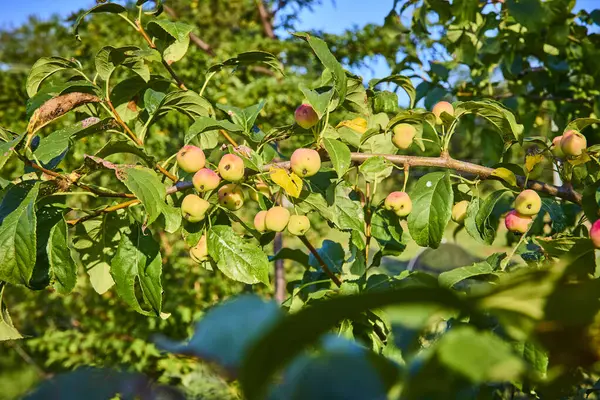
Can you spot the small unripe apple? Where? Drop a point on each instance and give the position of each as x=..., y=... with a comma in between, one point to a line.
x=305, y=162
x=517, y=223
x=573, y=144
x=439, y=108
x=306, y=116
x=191, y=158
x=399, y=203
x=199, y=252
x=193, y=208
x=556, y=148
x=260, y=188
x=459, y=211
x=231, y=196
x=595, y=234
x=277, y=218
x=298, y=225
x=205, y=180
x=403, y=136
x=259, y=221
x=528, y=202
x=231, y=168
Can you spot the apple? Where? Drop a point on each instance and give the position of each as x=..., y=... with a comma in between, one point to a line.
x=193, y=208
x=306, y=116
x=403, y=135
x=231, y=168
x=199, y=252
x=573, y=143
x=191, y=158
x=298, y=225
x=259, y=221
x=231, y=196
x=528, y=203
x=517, y=223
x=595, y=234
x=205, y=180
x=277, y=218
x=399, y=203
x=459, y=211
x=441, y=107
x=261, y=188
x=305, y=162
x=556, y=148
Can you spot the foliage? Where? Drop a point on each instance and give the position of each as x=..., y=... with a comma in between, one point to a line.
x=94, y=244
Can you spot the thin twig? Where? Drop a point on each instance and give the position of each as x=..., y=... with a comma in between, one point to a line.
x=229, y=138
x=320, y=260
x=280, y=291
x=104, y=210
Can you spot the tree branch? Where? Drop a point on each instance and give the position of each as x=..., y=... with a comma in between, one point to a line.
x=320, y=260
x=265, y=19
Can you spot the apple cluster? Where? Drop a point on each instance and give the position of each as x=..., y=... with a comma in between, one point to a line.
x=527, y=204
x=403, y=134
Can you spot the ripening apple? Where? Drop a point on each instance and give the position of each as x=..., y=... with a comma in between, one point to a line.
x=556, y=148
x=439, y=108
x=298, y=225
x=205, y=180
x=573, y=144
x=305, y=162
x=403, y=136
x=459, y=211
x=261, y=188
x=199, y=252
x=306, y=116
x=517, y=223
x=277, y=218
x=231, y=196
x=231, y=168
x=259, y=221
x=528, y=203
x=595, y=234
x=399, y=203
x=191, y=158
x=193, y=208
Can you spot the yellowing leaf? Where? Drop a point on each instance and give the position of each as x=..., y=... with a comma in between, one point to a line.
x=289, y=181
x=357, y=124
x=582, y=159
x=531, y=160
x=506, y=175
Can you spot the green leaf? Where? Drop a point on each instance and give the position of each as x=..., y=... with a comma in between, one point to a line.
x=376, y=169
x=7, y=328
x=432, y=199
x=452, y=277
x=146, y=186
x=173, y=38
x=486, y=219
x=226, y=332
x=63, y=270
x=43, y=69
x=46, y=218
x=112, y=8
x=386, y=102
x=249, y=58
x=207, y=125
x=178, y=30
x=356, y=97
x=109, y=58
x=186, y=102
x=6, y=148
x=17, y=233
x=291, y=254
x=96, y=242
x=297, y=331
x=339, y=154
x=138, y=262
x=494, y=112
x=332, y=253
x=238, y=259
x=479, y=356
x=402, y=82
x=348, y=214
x=329, y=61
x=581, y=123
x=244, y=117
x=318, y=99
x=57, y=143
